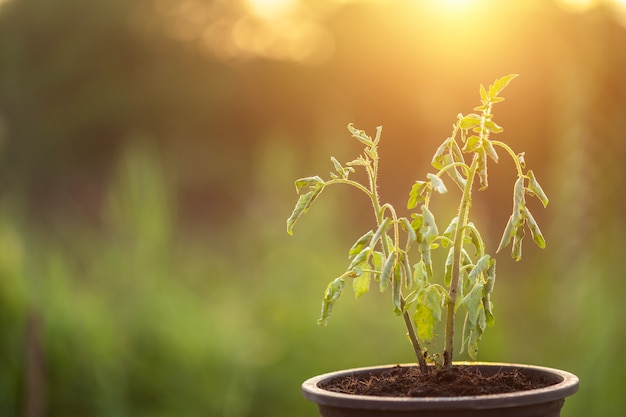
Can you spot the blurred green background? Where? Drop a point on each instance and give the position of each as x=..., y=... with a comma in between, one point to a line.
x=147, y=155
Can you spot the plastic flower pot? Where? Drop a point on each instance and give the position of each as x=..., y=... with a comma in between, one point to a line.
x=540, y=402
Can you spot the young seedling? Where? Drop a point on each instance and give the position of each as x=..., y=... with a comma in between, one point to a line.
x=466, y=279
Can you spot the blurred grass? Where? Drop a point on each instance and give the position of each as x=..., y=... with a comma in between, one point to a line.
x=139, y=318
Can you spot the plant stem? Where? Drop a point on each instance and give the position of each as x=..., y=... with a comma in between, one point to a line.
x=379, y=211
x=419, y=354
x=456, y=263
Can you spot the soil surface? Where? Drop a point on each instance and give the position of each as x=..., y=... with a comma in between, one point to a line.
x=410, y=382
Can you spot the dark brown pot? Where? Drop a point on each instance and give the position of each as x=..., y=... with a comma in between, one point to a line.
x=542, y=402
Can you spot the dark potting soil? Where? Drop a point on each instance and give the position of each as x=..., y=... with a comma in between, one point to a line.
x=405, y=381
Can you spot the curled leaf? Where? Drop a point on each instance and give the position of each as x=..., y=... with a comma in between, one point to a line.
x=535, y=188
x=438, y=161
x=508, y=234
x=481, y=266
x=360, y=257
x=518, y=200
x=385, y=276
x=516, y=250
x=396, y=289
x=360, y=244
x=384, y=226
x=302, y=206
x=312, y=182
x=429, y=229
x=437, y=184
x=491, y=151
x=411, y=235
x=475, y=239
x=360, y=135
x=535, y=232
x=332, y=293
x=482, y=168
x=491, y=277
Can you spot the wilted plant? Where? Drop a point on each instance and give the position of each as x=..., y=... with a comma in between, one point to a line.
x=467, y=277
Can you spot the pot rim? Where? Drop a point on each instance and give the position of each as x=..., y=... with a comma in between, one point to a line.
x=566, y=387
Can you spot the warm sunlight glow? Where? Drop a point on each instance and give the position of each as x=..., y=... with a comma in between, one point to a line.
x=579, y=5
x=452, y=8
x=271, y=9
x=455, y=3
x=619, y=6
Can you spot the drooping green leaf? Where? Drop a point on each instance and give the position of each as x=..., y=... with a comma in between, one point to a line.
x=377, y=260
x=491, y=151
x=491, y=277
x=420, y=275
x=454, y=173
x=406, y=270
x=535, y=188
x=469, y=122
x=516, y=250
x=411, y=235
x=472, y=301
x=361, y=284
x=518, y=201
x=425, y=252
x=470, y=340
x=481, y=267
x=451, y=229
x=482, y=168
x=447, y=277
x=429, y=229
x=396, y=289
x=360, y=257
x=493, y=127
x=302, y=206
x=475, y=239
x=437, y=184
x=433, y=299
x=385, y=276
x=360, y=135
x=416, y=196
x=438, y=161
x=384, y=226
x=332, y=293
x=456, y=152
x=508, y=234
x=312, y=182
x=360, y=244
x=424, y=322
x=473, y=143
x=535, y=232
x=490, y=319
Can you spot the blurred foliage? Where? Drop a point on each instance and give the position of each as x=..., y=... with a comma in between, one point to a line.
x=144, y=267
